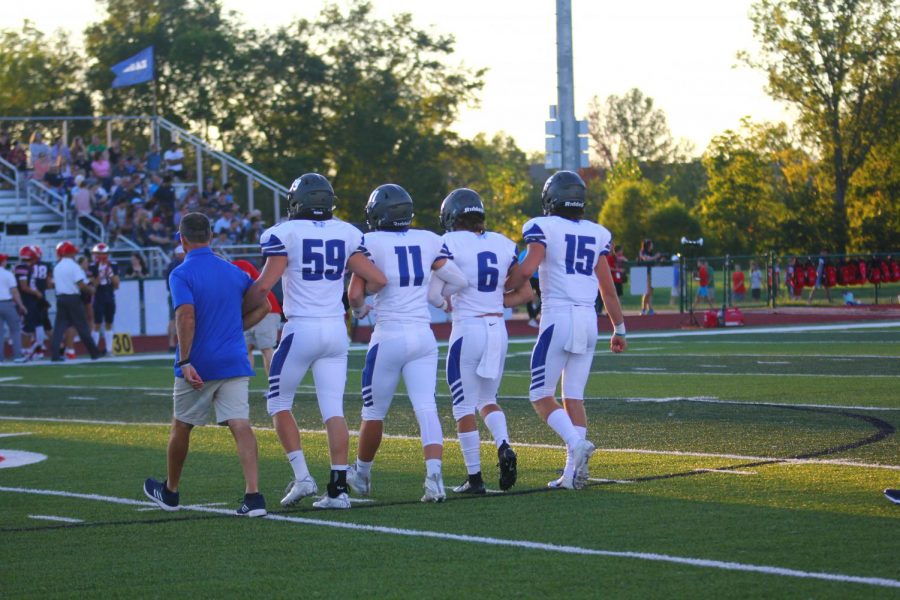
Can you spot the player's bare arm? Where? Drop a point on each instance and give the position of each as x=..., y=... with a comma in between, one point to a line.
x=527, y=267
x=361, y=266
x=520, y=295
x=24, y=288
x=258, y=293
x=617, y=342
x=356, y=292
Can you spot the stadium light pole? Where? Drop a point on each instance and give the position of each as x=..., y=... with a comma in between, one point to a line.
x=565, y=87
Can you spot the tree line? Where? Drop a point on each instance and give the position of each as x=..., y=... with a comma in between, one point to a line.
x=366, y=100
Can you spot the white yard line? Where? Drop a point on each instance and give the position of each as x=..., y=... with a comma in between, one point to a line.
x=492, y=541
x=10, y=402
x=54, y=518
x=82, y=398
x=707, y=373
x=16, y=434
x=727, y=471
x=799, y=461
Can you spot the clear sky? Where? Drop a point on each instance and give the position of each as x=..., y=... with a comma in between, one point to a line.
x=682, y=54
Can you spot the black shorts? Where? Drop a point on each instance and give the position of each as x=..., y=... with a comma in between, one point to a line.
x=104, y=310
x=36, y=315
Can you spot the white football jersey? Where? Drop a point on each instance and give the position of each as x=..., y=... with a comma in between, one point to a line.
x=573, y=249
x=484, y=259
x=317, y=253
x=405, y=258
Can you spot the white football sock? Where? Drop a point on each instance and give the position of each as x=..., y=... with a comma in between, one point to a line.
x=363, y=467
x=560, y=422
x=471, y=451
x=582, y=431
x=108, y=338
x=40, y=335
x=496, y=423
x=432, y=466
x=298, y=464
x=95, y=335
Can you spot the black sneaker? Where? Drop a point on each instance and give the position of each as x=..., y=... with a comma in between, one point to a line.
x=892, y=495
x=507, y=464
x=254, y=505
x=473, y=484
x=99, y=355
x=157, y=491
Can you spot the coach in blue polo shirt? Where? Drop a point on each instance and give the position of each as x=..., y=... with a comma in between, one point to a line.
x=211, y=366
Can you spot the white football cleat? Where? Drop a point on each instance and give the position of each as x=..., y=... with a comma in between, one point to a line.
x=341, y=501
x=299, y=489
x=359, y=483
x=581, y=454
x=434, y=489
x=563, y=482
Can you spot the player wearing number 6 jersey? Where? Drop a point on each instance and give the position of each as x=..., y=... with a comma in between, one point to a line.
x=311, y=252
x=402, y=342
x=566, y=250
x=478, y=341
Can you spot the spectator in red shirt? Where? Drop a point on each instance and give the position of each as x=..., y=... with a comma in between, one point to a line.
x=738, y=289
x=264, y=334
x=702, y=278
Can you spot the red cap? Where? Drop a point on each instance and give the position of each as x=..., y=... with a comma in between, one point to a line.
x=66, y=248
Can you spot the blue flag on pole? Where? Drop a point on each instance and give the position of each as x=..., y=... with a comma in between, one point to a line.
x=134, y=70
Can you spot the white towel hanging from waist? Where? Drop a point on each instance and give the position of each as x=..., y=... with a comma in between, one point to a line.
x=489, y=366
x=578, y=333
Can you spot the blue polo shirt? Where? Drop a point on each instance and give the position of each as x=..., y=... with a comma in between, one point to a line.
x=215, y=288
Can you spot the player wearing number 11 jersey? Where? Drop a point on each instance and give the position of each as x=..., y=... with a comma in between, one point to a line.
x=310, y=252
x=402, y=342
x=567, y=251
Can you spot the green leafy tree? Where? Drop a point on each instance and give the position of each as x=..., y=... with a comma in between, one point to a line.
x=668, y=222
x=199, y=54
x=388, y=102
x=40, y=74
x=873, y=201
x=739, y=213
x=838, y=63
x=630, y=201
x=631, y=126
x=498, y=170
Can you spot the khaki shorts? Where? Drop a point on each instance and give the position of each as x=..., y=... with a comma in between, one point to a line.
x=228, y=396
x=264, y=334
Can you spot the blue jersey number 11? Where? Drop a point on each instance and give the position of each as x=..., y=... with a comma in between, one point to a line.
x=405, y=255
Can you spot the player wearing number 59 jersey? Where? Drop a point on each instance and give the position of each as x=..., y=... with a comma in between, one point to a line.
x=402, y=342
x=478, y=341
x=567, y=251
x=310, y=253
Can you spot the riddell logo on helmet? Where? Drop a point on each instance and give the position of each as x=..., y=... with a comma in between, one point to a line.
x=572, y=203
x=469, y=209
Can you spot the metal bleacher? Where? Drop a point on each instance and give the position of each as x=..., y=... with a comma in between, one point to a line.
x=32, y=213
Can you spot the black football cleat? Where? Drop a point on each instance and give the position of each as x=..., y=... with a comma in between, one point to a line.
x=473, y=484
x=507, y=464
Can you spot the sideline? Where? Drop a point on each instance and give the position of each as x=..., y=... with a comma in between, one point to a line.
x=356, y=347
x=492, y=541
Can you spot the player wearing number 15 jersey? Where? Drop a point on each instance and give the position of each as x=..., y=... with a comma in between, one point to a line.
x=478, y=341
x=567, y=250
x=311, y=252
x=402, y=342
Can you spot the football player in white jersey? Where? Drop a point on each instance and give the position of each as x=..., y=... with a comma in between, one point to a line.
x=310, y=253
x=566, y=250
x=402, y=342
x=478, y=341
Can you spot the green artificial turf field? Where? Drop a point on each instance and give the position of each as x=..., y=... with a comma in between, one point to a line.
x=749, y=464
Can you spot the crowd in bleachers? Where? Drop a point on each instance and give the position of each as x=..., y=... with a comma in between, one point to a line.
x=141, y=196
